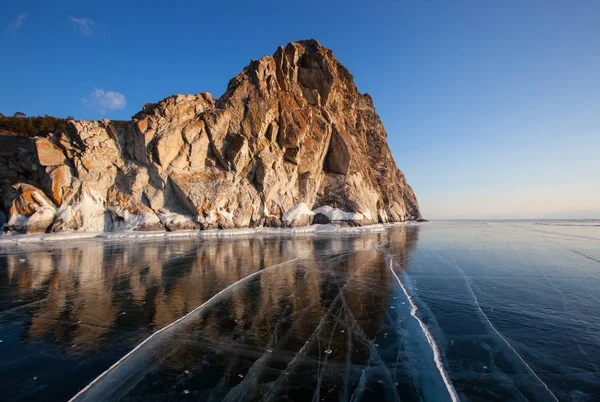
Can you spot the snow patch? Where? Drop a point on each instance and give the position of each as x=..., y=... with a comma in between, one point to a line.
x=92, y=212
x=44, y=214
x=325, y=209
x=132, y=221
x=296, y=212
x=17, y=220
x=209, y=219
x=213, y=217
x=173, y=218
x=228, y=216
x=336, y=214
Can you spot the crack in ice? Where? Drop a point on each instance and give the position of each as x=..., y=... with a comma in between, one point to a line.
x=274, y=388
x=227, y=289
x=428, y=336
x=499, y=334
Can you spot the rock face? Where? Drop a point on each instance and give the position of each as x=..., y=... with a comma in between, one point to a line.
x=291, y=129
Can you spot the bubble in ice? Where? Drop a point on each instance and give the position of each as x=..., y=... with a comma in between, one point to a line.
x=241, y=375
x=186, y=391
x=393, y=307
x=187, y=371
x=269, y=350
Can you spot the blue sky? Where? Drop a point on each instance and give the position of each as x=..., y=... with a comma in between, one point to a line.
x=492, y=108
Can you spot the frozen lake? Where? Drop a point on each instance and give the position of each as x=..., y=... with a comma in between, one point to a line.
x=479, y=311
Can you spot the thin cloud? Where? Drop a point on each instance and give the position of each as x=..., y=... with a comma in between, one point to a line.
x=85, y=25
x=103, y=101
x=18, y=23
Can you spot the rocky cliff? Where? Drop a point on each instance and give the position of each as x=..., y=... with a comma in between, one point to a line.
x=290, y=142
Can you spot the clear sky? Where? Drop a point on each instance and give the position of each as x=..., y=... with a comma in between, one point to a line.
x=492, y=108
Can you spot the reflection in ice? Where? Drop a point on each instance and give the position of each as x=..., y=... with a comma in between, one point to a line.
x=436, y=312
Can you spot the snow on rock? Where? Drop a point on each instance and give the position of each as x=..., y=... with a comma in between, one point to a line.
x=129, y=221
x=42, y=216
x=209, y=219
x=178, y=221
x=220, y=218
x=325, y=210
x=30, y=211
x=336, y=214
x=91, y=212
x=226, y=218
x=298, y=215
x=135, y=236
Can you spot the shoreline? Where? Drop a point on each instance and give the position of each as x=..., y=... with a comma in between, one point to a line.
x=130, y=235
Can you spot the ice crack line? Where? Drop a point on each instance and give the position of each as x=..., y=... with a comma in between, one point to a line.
x=430, y=340
x=227, y=289
x=500, y=335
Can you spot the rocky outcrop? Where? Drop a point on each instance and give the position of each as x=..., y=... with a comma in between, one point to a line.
x=291, y=130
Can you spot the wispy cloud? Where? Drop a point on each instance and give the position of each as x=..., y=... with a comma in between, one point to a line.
x=85, y=25
x=18, y=23
x=103, y=101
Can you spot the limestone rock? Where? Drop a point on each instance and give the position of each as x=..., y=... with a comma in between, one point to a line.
x=60, y=182
x=31, y=211
x=291, y=133
x=48, y=153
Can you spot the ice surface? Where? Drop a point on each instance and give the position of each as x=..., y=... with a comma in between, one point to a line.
x=442, y=311
x=434, y=348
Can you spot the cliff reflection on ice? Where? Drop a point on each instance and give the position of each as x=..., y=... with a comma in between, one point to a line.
x=91, y=302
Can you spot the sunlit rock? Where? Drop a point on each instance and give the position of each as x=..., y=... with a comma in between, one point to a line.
x=292, y=129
